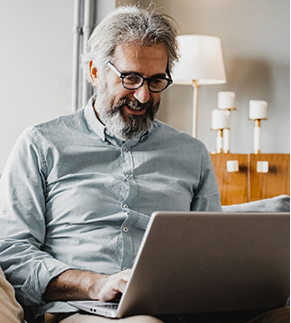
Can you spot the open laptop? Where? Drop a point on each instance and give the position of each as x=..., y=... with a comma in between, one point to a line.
x=192, y=262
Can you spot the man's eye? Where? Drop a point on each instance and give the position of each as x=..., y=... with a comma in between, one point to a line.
x=132, y=79
x=158, y=83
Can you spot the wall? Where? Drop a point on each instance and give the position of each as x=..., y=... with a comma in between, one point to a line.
x=35, y=64
x=104, y=7
x=255, y=38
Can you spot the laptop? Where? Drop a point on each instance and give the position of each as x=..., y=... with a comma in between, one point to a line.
x=198, y=262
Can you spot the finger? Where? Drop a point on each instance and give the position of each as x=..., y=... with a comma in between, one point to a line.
x=124, y=274
x=119, y=281
x=114, y=285
x=120, y=285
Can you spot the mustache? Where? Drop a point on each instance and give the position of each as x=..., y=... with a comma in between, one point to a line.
x=132, y=104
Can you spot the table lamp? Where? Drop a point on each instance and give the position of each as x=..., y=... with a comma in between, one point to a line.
x=201, y=63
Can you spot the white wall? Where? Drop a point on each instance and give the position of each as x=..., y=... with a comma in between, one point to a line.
x=256, y=44
x=104, y=7
x=35, y=64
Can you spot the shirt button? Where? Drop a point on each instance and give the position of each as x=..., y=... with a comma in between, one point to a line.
x=125, y=229
x=125, y=206
x=125, y=149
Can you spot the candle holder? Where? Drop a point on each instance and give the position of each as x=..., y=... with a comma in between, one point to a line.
x=226, y=139
x=220, y=122
x=226, y=102
x=219, y=141
x=257, y=112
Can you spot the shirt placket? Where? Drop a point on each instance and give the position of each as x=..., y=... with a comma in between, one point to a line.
x=127, y=228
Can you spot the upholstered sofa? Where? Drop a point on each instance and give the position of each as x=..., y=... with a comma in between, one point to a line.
x=279, y=203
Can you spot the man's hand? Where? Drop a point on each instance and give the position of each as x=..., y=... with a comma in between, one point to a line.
x=112, y=285
x=78, y=284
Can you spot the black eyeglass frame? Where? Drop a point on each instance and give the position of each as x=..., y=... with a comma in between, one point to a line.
x=148, y=79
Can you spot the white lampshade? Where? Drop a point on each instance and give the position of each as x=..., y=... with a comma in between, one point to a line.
x=201, y=60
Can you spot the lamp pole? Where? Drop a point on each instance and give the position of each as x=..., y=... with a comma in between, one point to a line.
x=195, y=86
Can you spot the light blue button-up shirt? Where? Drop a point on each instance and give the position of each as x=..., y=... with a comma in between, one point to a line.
x=74, y=196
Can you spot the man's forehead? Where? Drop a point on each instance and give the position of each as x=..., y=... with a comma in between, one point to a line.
x=139, y=52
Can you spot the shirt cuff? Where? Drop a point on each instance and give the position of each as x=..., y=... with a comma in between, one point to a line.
x=36, y=283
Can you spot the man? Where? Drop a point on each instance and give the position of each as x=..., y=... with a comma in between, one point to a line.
x=77, y=192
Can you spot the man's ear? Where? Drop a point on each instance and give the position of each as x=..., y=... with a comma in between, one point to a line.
x=93, y=73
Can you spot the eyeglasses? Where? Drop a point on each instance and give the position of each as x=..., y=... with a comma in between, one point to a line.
x=133, y=80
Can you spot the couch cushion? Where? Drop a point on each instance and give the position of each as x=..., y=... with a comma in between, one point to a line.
x=279, y=203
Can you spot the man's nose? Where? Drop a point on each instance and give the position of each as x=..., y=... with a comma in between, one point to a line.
x=142, y=94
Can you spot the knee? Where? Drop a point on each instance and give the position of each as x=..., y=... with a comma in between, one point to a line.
x=143, y=319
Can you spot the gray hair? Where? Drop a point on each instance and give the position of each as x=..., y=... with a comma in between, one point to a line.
x=133, y=25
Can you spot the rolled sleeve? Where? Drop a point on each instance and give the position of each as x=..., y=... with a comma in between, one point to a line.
x=36, y=283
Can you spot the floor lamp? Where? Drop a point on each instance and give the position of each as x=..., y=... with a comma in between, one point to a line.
x=201, y=63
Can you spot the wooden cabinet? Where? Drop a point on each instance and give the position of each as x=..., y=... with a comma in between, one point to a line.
x=249, y=183
x=232, y=185
x=275, y=182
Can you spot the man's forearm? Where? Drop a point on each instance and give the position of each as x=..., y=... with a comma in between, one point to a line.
x=78, y=284
x=74, y=284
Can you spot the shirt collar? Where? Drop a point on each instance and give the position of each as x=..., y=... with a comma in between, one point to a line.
x=92, y=119
x=100, y=129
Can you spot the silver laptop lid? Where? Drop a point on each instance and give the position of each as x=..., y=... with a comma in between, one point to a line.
x=210, y=262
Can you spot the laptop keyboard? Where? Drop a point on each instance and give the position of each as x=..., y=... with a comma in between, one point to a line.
x=109, y=305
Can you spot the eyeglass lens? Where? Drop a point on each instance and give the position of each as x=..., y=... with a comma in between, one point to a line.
x=133, y=81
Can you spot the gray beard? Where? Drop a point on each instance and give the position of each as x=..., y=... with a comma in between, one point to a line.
x=130, y=126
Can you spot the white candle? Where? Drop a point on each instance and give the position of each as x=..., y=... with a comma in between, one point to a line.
x=258, y=109
x=220, y=119
x=226, y=100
